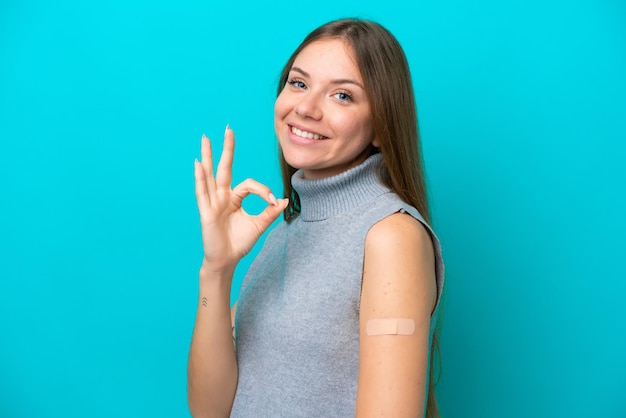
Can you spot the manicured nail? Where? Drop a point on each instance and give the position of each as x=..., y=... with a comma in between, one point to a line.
x=227, y=128
x=273, y=199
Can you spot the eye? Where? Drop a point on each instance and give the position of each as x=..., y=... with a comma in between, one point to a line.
x=296, y=83
x=344, y=96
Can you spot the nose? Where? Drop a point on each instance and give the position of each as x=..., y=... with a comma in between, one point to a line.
x=309, y=107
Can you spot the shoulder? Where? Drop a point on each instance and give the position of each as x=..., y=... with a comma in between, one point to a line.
x=398, y=235
x=399, y=254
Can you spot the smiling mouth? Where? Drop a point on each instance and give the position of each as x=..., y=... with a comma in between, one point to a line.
x=305, y=134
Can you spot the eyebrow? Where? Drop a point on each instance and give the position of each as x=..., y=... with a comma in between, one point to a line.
x=337, y=81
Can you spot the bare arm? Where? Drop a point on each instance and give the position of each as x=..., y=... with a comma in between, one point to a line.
x=398, y=282
x=228, y=233
x=212, y=366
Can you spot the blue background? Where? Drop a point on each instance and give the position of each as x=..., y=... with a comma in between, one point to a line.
x=521, y=106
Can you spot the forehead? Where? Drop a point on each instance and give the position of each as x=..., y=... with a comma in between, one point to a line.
x=332, y=57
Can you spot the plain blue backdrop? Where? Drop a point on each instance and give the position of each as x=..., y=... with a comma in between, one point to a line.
x=522, y=108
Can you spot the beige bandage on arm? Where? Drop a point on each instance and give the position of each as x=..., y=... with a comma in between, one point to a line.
x=390, y=326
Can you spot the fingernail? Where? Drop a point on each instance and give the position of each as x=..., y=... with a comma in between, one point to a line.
x=273, y=199
x=203, y=136
x=227, y=128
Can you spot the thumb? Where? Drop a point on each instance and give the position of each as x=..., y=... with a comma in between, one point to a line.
x=264, y=219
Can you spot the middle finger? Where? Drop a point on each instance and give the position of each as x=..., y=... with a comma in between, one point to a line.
x=223, y=177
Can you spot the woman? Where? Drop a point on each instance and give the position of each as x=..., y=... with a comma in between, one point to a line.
x=336, y=315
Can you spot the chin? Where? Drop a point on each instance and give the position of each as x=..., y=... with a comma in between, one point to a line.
x=293, y=157
x=296, y=163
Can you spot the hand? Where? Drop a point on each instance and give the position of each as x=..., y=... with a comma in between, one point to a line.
x=228, y=231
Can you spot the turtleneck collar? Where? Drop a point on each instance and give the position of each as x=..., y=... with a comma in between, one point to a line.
x=322, y=198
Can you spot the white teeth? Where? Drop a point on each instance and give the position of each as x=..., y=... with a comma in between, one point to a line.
x=305, y=134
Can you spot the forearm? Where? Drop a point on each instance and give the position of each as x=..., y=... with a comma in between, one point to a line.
x=212, y=366
x=228, y=233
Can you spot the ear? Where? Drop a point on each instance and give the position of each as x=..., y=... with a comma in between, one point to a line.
x=376, y=142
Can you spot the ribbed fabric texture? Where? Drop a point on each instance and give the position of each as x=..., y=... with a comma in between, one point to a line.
x=322, y=198
x=297, y=324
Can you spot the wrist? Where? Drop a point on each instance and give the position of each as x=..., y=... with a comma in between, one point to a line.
x=212, y=271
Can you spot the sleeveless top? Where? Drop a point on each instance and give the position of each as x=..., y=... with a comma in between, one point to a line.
x=297, y=320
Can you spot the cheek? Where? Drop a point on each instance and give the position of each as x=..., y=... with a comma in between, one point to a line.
x=281, y=107
x=281, y=110
x=366, y=126
x=353, y=126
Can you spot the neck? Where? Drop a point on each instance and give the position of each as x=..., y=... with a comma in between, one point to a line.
x=322, y=198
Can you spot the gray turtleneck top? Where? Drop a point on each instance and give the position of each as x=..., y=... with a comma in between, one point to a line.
x=297, y=322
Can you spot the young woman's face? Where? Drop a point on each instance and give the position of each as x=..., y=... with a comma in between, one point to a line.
x=322, y=116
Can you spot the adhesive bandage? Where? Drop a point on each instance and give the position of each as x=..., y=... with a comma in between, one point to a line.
x=390, y=326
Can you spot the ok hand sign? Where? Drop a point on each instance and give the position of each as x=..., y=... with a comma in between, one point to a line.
x=228, y=231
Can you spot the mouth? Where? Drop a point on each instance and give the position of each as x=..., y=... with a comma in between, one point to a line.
x=306, y=134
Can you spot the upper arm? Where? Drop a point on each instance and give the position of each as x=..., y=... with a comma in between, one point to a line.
x=398, y=282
